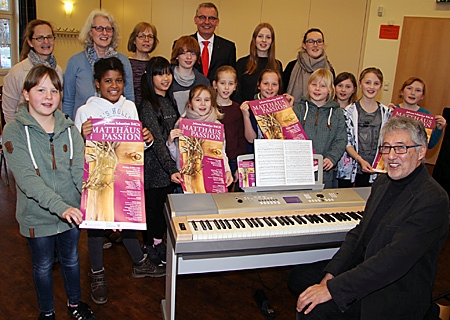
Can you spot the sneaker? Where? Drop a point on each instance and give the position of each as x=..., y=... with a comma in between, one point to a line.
x=43, y=316
x=152, y=255
x=161, y=251
x=106, y=243
x=81, y=312
x=146, y=268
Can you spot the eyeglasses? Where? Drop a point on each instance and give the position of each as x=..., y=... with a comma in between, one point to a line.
x=100, y=29
x=42, y=38
x=311, y=42
x=186, y=53
x=397, y=149
x=143, y=36
x=204, y=18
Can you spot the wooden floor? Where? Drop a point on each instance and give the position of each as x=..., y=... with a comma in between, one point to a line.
x=225, y=295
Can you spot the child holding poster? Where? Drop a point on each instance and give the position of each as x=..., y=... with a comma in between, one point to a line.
x=225, y=83
x=45, y=153
x=364, y=120
x=412, y=92
x=202, y=105
x=109, y=80
x=323, y=121
x=269, y=85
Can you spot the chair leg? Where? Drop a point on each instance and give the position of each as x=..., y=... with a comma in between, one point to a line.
x=3, y=161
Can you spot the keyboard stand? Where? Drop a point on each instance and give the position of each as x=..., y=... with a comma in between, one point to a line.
x=192, y=263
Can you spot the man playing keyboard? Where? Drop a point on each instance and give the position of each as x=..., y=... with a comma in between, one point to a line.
x=386, y=266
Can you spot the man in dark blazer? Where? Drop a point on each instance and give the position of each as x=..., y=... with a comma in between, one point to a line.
x=221, y=51
x=386, y=267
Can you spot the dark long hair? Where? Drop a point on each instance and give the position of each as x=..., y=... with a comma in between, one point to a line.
x=155, y=66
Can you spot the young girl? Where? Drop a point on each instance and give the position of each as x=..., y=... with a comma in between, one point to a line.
x=345, y=84
x=185, y=55
x=45, y=151
x=158, y=112
x=262, y=56
x=225, y=82
x=269, y=85
x=323, y=121
x=202, y=106
x=364, y=119
x=109, y=80
x=412, y=92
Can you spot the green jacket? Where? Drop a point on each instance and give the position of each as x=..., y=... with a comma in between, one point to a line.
x=328, y=135
x=51, y=184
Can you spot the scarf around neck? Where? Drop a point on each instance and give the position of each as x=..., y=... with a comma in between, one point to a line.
x=191, y=114
x=303, y=68
x=184, y=81
x=36, y=59
x=92, y=56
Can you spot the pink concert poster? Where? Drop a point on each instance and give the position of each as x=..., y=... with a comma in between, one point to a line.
x=113, y=182
x=201, y=157
x=277, y=119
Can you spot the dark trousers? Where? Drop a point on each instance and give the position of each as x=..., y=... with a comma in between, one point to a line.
x=361, y=180
x=306, y=275
x=95, y=245
x=154, y=210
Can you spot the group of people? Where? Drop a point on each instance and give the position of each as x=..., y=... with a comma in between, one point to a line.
x=202, y=81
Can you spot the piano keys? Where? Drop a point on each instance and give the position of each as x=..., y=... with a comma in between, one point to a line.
x=276, y=224
x=235, y=231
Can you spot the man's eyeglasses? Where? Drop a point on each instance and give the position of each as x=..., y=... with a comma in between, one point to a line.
x=311, y=42
x=42, y=38
x=100, y=29
x=143, y=36
x=204, y=18
x=397, y=149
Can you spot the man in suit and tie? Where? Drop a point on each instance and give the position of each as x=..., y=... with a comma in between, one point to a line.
x=386, y=267
x=215, y=51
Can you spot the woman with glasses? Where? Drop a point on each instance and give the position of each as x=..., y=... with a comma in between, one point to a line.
x=99, y=37
x=262, y=56
x=185, y=55
x=310, y=58
x=142, y=41
x=37, y=48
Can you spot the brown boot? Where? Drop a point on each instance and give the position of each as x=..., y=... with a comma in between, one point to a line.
x=99, y=292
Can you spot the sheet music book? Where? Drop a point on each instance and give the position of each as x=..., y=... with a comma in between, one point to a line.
x=283, y=162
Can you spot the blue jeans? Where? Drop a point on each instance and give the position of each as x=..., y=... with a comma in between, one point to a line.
x=43, y=255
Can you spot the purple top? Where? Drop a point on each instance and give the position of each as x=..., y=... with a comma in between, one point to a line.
x=138, y=67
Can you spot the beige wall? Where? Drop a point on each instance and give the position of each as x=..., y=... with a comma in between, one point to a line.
x=173, y=18
x=351, y=30
x=383, y=53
